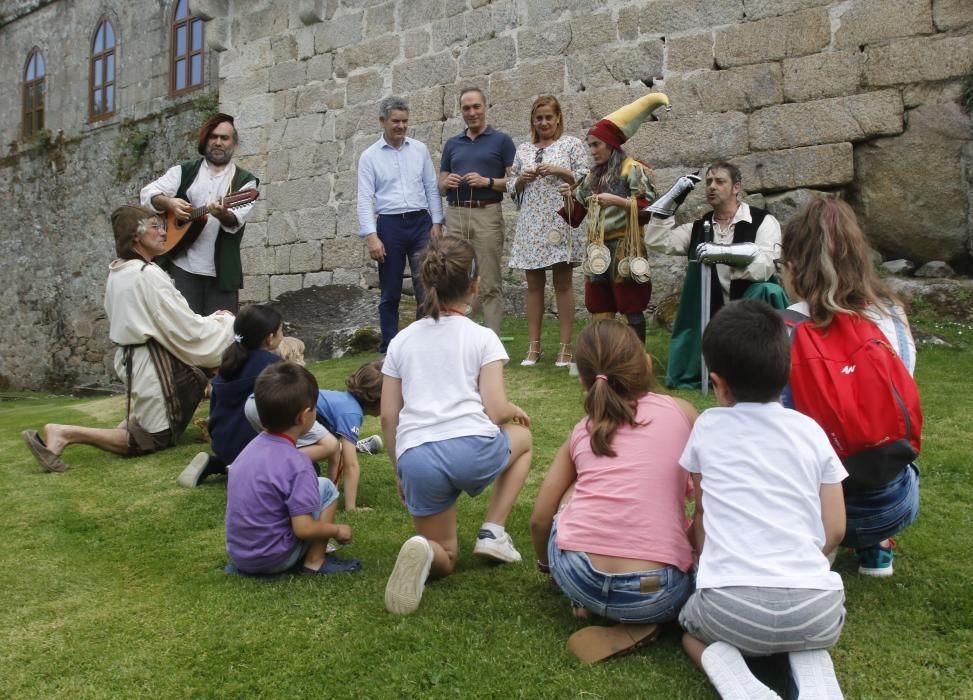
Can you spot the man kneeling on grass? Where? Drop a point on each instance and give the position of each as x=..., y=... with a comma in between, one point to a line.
x=279, y=513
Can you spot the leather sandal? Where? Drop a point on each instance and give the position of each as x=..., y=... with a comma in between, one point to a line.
x=534, y=354
x=49, y=461
x=564, y=356
x=595, y=643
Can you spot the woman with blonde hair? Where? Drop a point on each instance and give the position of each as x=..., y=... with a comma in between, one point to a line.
x=543, y=241
x=826, y=264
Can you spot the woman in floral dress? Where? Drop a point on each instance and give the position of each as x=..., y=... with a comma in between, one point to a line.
x=543, y=240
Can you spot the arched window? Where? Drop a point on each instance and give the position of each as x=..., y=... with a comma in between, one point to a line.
x=33, y=93
x=186, y=68
x=101, y=83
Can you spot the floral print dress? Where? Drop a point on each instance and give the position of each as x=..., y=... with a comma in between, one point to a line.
x=543, y=238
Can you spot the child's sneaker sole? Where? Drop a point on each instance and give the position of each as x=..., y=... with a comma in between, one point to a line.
x=880, y=573
x=403, y=592
x=190, y=475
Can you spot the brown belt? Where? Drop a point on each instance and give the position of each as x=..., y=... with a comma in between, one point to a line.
x=475, y=203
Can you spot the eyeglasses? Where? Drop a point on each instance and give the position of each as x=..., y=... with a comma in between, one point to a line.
x=473, y=270
x=779, y=265
x=539, y=156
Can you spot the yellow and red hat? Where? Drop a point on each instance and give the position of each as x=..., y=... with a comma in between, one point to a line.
x=621, y=125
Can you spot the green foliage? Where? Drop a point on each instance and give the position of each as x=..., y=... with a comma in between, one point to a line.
x=207, y=104
x=130, y=145
x=40, y=139
x=112, y=583
x=966, y=96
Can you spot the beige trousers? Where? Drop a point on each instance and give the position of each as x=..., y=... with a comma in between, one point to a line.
x=484, y=229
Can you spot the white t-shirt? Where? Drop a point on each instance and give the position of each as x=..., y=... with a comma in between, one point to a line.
x=439, y=364
x=762, y=468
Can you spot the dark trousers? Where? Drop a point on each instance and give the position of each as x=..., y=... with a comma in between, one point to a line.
x=203, y=293
x=404, y=237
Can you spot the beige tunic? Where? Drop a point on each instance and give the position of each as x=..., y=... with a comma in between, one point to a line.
x=142, y=303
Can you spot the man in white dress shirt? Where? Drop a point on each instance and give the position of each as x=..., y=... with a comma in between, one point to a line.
x=398, y=209
x=207, y=270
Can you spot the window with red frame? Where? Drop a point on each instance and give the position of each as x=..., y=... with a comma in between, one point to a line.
x=101, y=83
x=33, y=102
x=186, y=68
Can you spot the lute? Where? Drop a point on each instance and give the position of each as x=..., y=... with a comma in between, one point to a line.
x=182, y=233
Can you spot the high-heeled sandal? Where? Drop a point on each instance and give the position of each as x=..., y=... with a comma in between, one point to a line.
x=534, y=354
x=564, y=356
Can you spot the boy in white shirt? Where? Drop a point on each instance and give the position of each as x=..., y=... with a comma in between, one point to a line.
x=769, y=508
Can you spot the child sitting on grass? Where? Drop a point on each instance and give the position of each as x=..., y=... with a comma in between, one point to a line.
x=279, y=514
x=618, y=546
x=258, y=332
x=449, y=426
x=339, y=419
x=769, y=508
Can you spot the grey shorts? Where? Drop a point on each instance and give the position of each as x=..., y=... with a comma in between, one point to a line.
x=764, y=621
x=317, y=432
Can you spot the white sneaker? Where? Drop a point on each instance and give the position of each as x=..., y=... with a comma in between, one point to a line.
x=813, y=674
x=404, y=588
x=371, y=445
x=499, y=549
x=194, y=470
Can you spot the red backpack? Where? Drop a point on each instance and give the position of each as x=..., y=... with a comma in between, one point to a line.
x=851, y=382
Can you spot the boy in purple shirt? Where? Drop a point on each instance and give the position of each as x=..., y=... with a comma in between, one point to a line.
x=279, y=514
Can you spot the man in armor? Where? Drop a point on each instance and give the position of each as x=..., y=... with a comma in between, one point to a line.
x=735, y=243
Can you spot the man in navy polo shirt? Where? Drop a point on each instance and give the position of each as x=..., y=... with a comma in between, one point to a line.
x=397, y=180
x=473, y=175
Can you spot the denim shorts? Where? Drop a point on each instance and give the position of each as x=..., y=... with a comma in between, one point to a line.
x=328, y=494
x=873, y=516
x=639, y=597
x=434, y=474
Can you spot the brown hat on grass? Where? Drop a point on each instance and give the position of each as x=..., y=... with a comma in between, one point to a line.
x=208, y=127
x=125, y=223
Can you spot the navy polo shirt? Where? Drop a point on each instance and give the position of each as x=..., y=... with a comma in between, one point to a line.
x=490, y=154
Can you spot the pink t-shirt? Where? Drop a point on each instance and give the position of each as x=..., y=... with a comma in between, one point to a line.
x=632, y=505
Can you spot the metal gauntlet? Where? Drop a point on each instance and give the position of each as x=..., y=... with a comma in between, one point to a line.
x=735, y=255
x=666, y=205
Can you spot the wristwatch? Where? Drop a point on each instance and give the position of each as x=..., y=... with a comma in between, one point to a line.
x=491, y=183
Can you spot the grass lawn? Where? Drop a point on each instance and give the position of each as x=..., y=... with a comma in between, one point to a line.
x=112, y=580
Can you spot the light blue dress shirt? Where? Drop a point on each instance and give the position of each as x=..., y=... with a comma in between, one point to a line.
x=394, y=181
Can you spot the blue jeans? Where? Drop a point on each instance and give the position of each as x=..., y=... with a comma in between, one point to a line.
x=404, y=238
x=640, y=597
x=876, y=515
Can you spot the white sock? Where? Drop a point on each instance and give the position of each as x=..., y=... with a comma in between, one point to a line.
x=496, y=530
x=728, y=672
x=814, y=675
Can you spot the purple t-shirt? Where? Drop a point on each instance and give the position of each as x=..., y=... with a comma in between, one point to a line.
x=270, y=482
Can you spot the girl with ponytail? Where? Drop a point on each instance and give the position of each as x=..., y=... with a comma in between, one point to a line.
x=258, y=330
x=609, y=523
x=448, y=425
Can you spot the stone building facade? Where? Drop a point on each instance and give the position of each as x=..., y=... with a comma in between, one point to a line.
x=860, y=97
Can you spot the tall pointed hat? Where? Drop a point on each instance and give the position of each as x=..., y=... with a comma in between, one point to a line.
x=621, y=125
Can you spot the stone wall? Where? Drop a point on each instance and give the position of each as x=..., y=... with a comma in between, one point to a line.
x=60, y=189
x=858, y=97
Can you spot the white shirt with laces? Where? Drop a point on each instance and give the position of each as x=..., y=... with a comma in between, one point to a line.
x=209, y=186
